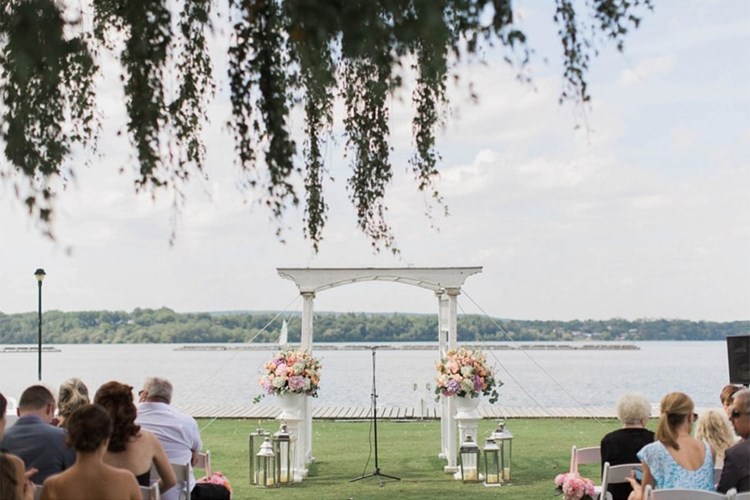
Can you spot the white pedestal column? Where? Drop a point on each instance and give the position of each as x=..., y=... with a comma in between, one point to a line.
x=467, y=419
x=292, y=409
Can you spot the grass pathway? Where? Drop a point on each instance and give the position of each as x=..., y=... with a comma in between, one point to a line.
x=541, y=449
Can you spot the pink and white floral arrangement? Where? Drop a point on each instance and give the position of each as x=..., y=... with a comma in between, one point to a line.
x=574, y=487
x=465, y=373
x=291, y=372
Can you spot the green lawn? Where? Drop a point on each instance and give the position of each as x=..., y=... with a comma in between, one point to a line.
x=541, y=449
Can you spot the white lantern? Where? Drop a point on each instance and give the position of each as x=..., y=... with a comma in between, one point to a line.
x=493, y=470
x=468, y=457
x=265, y=466
x=284, y=448
x=504, y=440
x=254, y=440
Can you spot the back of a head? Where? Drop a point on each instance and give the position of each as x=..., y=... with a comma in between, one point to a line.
x=8, y=480
x=158, y=389
x=633, y=408
x=675, y=407
x=714, y=428
x=3, y=405
x=73, y=394
x=117, y=399
x=35, y=398
x=88, y=427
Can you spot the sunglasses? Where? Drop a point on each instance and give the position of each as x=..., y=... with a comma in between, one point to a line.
x=737, y=413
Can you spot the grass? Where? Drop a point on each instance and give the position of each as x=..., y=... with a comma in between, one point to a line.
x=541, y=449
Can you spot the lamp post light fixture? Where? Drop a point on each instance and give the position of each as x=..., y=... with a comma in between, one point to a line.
x=468, y=461
x=504, y=440
x=40, y=274
x=493, y=470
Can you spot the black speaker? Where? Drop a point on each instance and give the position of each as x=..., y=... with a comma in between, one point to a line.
x=738, y=352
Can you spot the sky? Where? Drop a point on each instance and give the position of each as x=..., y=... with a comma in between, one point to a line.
x=634, y=207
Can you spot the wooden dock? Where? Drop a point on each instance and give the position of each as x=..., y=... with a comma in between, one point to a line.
x=265, y=412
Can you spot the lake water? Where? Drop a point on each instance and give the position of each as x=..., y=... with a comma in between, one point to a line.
x=548, y=378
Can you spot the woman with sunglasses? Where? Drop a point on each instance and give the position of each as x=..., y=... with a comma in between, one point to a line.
x=675, y=459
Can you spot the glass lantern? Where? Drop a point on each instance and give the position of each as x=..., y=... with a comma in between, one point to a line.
x=493, y=470
x=265, y=466
x=504, y=440
x=284, y=448
x=468, y=460
x=254, y=440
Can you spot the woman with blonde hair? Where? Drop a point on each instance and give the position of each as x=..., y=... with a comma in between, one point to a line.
x=73, y=394
x=714, y=428
x=675, y=459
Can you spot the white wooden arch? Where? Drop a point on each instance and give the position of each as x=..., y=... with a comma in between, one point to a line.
x=445, y=282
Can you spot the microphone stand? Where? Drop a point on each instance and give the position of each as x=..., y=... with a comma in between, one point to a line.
x=376, y=472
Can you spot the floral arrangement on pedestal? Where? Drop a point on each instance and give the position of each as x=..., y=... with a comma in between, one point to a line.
x=293, y=371
x=465, y=373
x=574, y=487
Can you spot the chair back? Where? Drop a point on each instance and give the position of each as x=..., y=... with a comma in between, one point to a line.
x=745, y=495
x=682, y=494
x=150, y=492
x=204, y=462
x=182, y=474
x=38, y=491
x=617, y=474
x=583, y=456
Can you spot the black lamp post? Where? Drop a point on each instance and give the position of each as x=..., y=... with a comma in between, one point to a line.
x=40, y=274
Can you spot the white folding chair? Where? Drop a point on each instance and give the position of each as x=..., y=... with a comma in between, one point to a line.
x=717, y=475
x=616, y=474
x=682, y=494
x=150, y=492
x=583, y=456
x=38, y=491
x=182, y=474
x=745, y=495
x=204, y=462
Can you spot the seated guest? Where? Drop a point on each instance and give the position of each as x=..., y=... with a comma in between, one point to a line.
x=131, y=447
x=13, y=482
x=90, y=478
x=621, y=446
x=36, y=442
x=177, y=432
x=714, y=428
x=73, y=393
x=726, y=396
x=675, y=459
x=736, y=471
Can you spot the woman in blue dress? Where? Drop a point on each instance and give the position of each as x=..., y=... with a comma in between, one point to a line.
x=675, y=459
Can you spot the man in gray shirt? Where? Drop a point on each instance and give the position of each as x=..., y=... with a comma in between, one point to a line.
x=33, y=439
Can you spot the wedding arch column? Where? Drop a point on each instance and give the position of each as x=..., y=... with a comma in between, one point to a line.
x=445, y=282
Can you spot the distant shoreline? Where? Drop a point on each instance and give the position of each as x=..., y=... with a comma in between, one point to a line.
x=414, y=347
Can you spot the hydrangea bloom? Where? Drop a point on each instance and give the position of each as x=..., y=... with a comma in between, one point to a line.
x=291, y=372
x=465, y=373
x=574, y=487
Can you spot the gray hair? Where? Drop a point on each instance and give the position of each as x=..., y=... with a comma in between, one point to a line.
x=632, y=407
x=159, y=388
x=745, y=395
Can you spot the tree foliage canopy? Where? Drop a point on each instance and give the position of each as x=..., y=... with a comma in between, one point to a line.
x=282, y=54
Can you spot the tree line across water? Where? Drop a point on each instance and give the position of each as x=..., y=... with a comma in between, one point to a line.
x=167, y=326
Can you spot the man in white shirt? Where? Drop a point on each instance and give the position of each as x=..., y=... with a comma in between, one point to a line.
x=178, y=433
